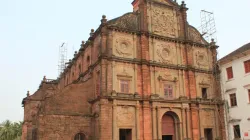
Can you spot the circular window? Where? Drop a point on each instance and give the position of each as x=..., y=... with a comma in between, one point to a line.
x=79, y=136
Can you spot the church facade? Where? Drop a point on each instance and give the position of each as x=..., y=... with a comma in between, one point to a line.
x=147, y=75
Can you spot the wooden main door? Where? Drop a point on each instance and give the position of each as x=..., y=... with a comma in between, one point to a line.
x=168, y=127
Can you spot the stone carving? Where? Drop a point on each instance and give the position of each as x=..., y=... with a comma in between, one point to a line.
x=208, y=120
x=194, y=35
x=125, y=115
x=163, y=22
x=123, y=47
x=124, y=73
x=168, y=77
x=164, y=52
x=205, y=81
x=201, y=58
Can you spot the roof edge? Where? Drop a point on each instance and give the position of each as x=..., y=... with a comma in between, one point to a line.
x=236, y=52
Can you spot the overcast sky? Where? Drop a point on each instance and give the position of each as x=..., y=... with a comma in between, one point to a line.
x=31, y=32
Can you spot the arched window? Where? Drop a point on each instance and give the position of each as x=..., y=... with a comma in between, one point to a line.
x=79, y=136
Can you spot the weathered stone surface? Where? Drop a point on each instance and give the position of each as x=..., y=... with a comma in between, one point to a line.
x=152, y=47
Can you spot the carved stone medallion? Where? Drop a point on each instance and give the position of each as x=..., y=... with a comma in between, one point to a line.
x=123, y=47
x=164, y=52
x=163, y=21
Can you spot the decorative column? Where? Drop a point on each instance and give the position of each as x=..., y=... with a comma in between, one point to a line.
x=195, y=122
x=147, y=121
x=137, y=120
x=114, y=120
x=216, y=120
x=200, y=112
x=154, y=117
x=159, y=123
x=104, y=34
x=183, y=116
x=188, y=124
x=110, y=43
x=184, y=16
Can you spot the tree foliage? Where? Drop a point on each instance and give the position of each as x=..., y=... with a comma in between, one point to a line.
x=10, y=131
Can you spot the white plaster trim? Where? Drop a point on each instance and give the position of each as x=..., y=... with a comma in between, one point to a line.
x=229, y=80
x=236, y=121
x=247, y=86
x=231, y=90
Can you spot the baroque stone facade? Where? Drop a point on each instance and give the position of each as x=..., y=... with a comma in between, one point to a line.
x=147, y=75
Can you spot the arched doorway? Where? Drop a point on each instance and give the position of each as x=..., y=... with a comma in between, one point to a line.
x=79, y=136
x=170, y=126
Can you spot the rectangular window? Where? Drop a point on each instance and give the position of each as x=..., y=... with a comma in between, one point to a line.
x=230, y=73
x=204, y=93
x=233, y=99
x=124, y=85
x=168, y=91
x=247, y=66
x=236, y=131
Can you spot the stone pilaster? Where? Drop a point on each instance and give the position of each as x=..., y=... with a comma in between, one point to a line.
x=147, y=120
x=137, y=112
x=159, y=123
x=114, y=121
x=154, y=119
x=183, y=116
x=195, y=122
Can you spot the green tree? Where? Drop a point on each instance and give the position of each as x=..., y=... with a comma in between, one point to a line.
x=10, y=131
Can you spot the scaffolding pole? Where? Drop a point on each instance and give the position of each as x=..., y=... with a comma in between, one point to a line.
x=62, y=58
